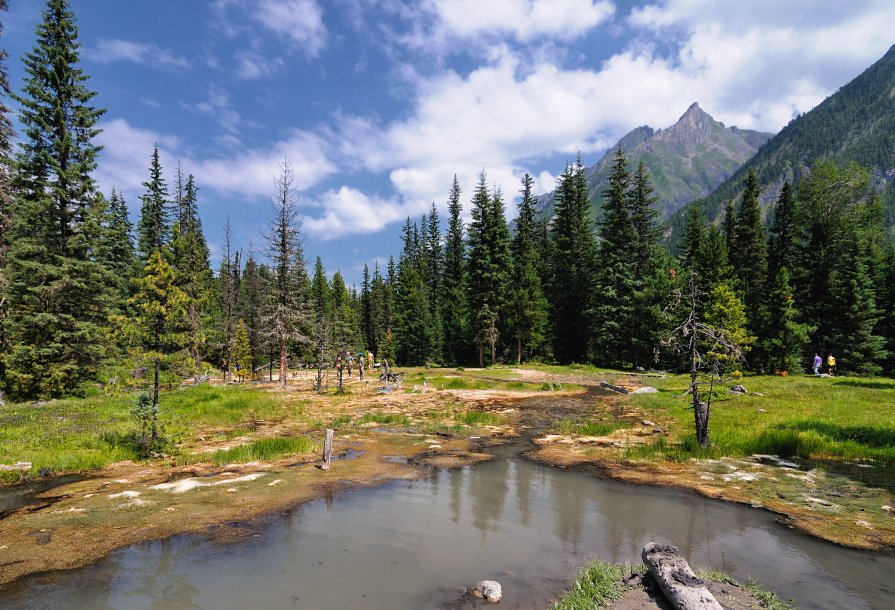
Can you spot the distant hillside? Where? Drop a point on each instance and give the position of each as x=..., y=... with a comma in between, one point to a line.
x=685, y=161
x=857, y=123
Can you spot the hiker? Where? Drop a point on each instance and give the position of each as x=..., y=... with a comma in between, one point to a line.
x=369, y=359
x=350, y=361
x=360, y=365
x=817, y=364
x=831, y=363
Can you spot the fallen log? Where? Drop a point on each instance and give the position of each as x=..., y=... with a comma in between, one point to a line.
x=670, y=570
x=614, y=388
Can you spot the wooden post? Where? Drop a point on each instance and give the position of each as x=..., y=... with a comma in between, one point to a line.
x=327, y=448
x=680, y=585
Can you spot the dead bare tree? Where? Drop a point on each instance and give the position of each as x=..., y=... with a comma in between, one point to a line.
x=288, y=318
x=708, y=349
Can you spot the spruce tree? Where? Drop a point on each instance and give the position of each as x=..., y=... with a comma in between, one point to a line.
x=785, y=337
x=614, y=310
x=58, y=294
x=322, y=306
x=454, y=311
x=251, y=304
x=153, y=230
x=488, y=266
x=651, y=282
x=749, y=253
x=782, y=238
x=434, y=260
x=242, y=352
x=571, y=269
x=345, y=326
x=528, y=309
x=825, y=201
x=378, y=323
x=160, y=306
x=413, y=333
x=289, y=320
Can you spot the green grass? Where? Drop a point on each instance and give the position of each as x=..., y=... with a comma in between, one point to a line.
x=767, y=600
x=480, y=379
x=478, y=418
x=393, y=419
x=597, y=585
x=802, y=417
x=264, y=449
x=586, y=427
x=79, y=434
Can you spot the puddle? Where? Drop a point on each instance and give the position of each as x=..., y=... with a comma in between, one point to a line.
x=412, y=544
x=395, y=459
x=17, y=496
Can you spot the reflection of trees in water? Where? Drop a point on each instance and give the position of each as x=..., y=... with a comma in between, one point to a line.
x=488, y=491
x=522, y=479
x=166, y=580
x=569, y=505
x=457, y=478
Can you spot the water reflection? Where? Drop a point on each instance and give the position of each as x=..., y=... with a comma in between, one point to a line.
x=411, y=544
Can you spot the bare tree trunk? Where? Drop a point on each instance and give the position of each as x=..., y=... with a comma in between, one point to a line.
x=481, y=354
x=156, y=365
x=518, y=349
x=283, y=361
x=327, y=448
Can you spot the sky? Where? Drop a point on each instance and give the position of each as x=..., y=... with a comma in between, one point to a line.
x=377, y=104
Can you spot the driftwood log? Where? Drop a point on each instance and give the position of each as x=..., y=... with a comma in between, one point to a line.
x=614, y=388
x=670, y=570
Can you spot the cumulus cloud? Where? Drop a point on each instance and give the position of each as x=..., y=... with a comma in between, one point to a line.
x=110, y=50
x=300, y=21
x=520, y=19
x=245, y=172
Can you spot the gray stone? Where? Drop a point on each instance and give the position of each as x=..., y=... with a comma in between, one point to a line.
x=738, y=389
x=645, y=390
x=490, y=590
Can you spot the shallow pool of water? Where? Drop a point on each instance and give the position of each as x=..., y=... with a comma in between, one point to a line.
x=414, y=544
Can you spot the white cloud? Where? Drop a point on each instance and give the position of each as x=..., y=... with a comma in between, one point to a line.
x=109, y=50
x=301, y=21
x=521, y=19
x=348, y=211
x=252, y=65
x=127, y=149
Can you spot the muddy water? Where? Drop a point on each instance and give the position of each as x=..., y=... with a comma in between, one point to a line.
x=414, y=544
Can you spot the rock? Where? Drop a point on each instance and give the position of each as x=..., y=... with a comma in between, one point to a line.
x=757, y=394
x=762, y=411
x=888, y=508
x=738, y=389
x=490, y=590
x=647, y=422
x=773, y=460
x=16, y=466
x=645, y=390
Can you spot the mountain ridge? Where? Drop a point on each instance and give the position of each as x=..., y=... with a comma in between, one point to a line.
x=685, y=161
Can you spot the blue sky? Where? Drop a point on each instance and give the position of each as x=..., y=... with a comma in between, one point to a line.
x=378, y=103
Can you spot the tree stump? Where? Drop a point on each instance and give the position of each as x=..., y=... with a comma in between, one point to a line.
x=327, y=448
x=670, y=570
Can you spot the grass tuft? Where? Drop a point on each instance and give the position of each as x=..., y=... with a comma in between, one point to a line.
x=596, y=586
x=264, y=449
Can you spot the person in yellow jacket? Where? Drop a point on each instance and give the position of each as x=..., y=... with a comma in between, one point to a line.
x=831, y=364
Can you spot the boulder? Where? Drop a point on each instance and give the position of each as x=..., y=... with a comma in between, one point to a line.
x=490, y=590
x=645, y=390
x=738, y=389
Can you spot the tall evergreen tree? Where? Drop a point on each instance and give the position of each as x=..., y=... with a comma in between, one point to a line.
x=749, y=253
x=345, y=326
x=782, y=238
x=58, y=295
x=289, y=317
x=251, y=305
x=824, y=211
x=528, y=309
x=615, y=285
x=488, y=266
x=190, y=254
x=366, y=308
x=414, y=340
x=434, y=274
x=572, y=262
x=153, y=230
x=454, y=311
x=652, y=284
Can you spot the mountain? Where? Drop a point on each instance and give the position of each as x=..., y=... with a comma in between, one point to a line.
x=857, y=123
x=685, y=161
